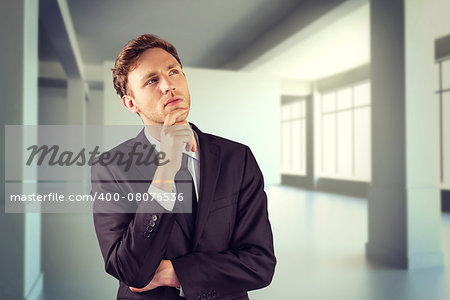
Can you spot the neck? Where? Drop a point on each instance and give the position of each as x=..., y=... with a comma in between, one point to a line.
x=155, y=129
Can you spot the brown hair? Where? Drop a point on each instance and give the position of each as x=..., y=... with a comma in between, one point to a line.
x=129, y=55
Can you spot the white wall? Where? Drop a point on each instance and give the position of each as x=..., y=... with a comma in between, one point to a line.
x=295, y=87
x=240, y=106
x=94, y=108
x=52, y=106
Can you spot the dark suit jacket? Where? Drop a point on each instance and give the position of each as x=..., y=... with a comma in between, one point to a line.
x=231, y=250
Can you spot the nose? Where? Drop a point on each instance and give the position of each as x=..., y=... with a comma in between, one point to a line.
x=166, y=85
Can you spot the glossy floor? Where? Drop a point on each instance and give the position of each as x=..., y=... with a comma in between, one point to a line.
x=319, y=243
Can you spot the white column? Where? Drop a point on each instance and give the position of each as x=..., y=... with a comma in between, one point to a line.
x=76, y=115
x=422, y=131
x=404, y=202
x=20, y=274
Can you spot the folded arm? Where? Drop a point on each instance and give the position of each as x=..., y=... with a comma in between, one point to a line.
x=132, y=244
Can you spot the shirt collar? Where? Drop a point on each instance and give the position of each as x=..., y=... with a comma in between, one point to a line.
x=157, y=144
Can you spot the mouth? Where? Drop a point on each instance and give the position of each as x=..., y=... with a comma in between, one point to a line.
x=173, y=101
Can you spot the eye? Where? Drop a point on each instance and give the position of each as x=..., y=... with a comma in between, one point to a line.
x=151, y=81
x=175, y=71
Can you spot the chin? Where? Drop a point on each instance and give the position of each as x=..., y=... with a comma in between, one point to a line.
x=180, y=120
x=183, y=116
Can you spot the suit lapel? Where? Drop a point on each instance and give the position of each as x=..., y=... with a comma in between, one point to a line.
x=209, y=171
x=147, y=171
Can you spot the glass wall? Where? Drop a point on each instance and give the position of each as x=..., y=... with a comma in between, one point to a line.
x=443, y=96
x=345, y=133
x=293, y=137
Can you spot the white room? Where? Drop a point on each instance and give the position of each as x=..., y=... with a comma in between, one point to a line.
x=344, y=104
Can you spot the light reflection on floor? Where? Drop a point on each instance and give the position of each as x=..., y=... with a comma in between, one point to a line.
x=319, y=243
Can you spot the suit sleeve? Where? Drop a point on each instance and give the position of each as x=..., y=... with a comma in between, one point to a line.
x=249, y=263
x=132, y=244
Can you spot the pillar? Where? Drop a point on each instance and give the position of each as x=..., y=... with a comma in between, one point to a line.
x=404, y=201
x=20, y=267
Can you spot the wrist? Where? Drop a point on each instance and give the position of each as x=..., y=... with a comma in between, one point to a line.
x=166, y=172
x=164, y=179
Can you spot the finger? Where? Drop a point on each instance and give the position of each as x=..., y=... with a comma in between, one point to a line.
x=191, y=143
x=178, y=131
x=149, y=287
x=194, y=143
x=183, y=138
x=172, y=117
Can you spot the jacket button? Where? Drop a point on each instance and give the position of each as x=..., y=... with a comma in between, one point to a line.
x=197, y=298
x=147, y=234
x=154, y=217
x=149, y=229
x=208, y=295
x=214, y=293
x=203, y=296
x=152, y=223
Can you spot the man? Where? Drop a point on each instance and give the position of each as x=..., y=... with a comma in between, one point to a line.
x=219, y=248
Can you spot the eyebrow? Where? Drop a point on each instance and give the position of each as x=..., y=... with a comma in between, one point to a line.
x=149, y=75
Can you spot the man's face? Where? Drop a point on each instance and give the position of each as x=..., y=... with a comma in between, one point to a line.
x=159, y=87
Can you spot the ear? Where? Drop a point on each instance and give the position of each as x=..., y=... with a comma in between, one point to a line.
x=130, y=104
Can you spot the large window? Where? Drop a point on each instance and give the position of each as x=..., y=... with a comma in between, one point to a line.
x=443, y=95
x=293, y=137
x=345, y=133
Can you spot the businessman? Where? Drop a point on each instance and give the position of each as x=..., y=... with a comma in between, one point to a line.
x=220, y=245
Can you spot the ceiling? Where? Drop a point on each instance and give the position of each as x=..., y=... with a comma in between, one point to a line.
x=207, y=33
x=340, y=46
x=218, y=33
